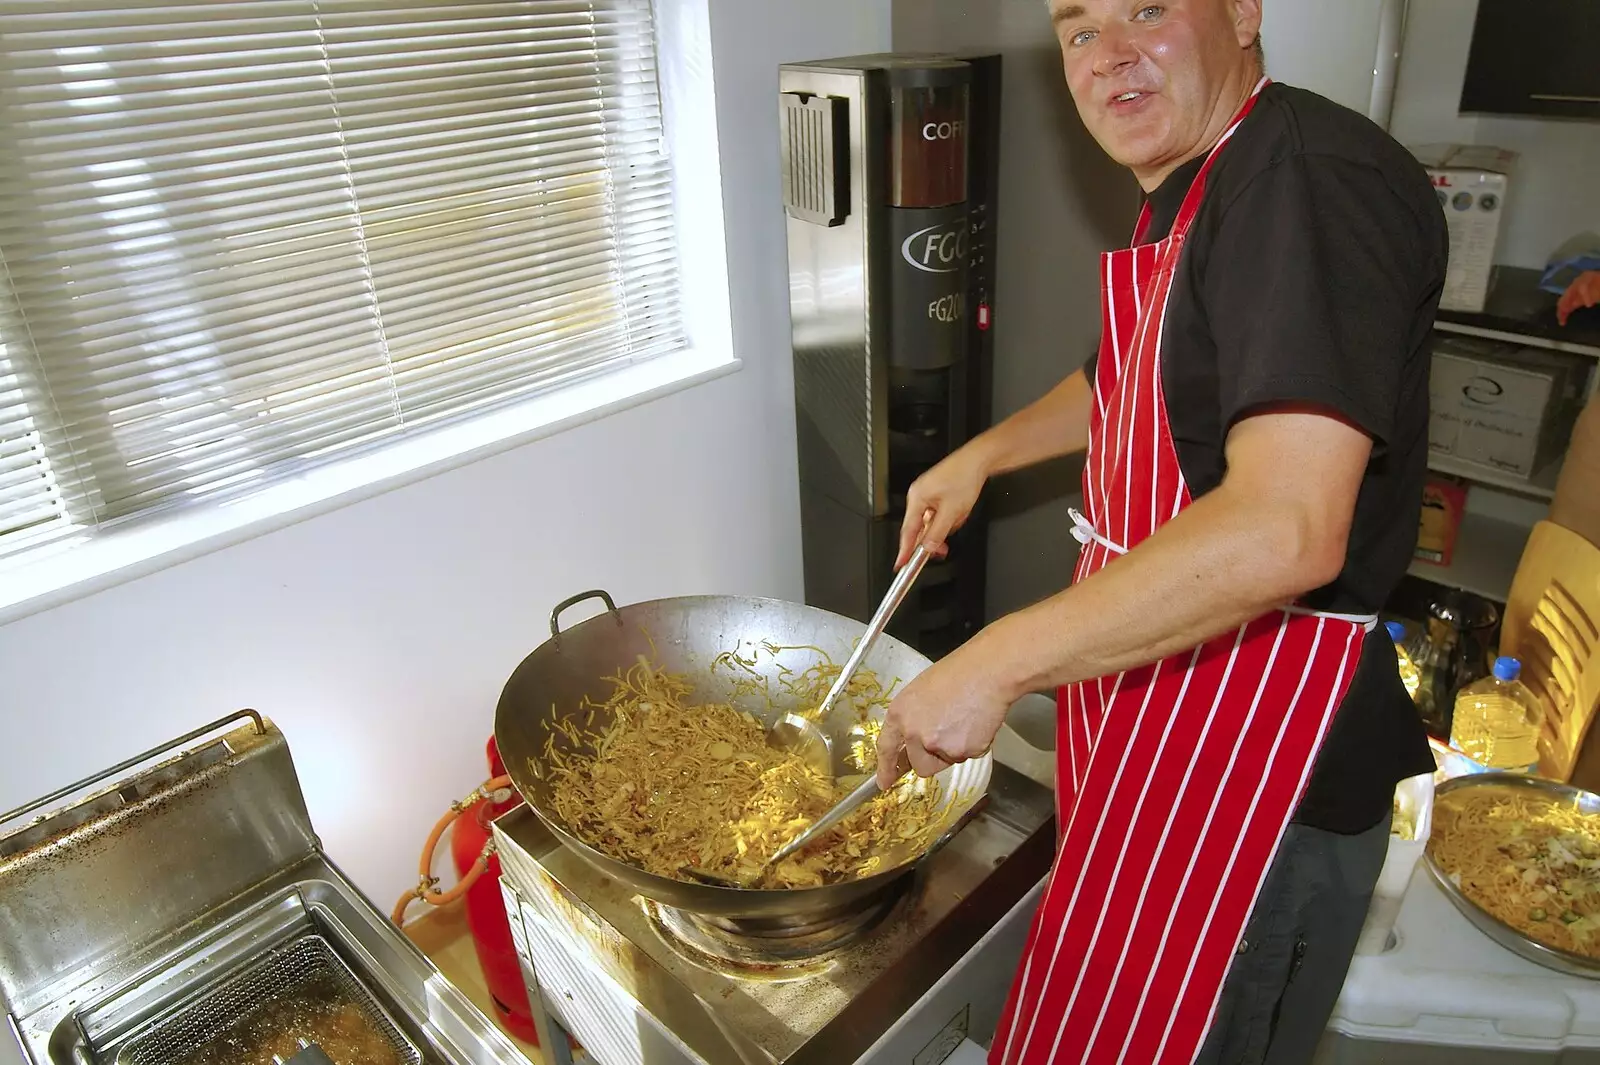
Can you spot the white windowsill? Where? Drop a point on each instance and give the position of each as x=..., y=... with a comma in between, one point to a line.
x=60, y=573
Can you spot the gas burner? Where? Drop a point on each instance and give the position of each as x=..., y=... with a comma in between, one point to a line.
x=883, y=980
x=778, y=946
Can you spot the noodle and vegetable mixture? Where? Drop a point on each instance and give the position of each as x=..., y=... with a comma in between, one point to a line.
x=670, y=784
x=1531, y=862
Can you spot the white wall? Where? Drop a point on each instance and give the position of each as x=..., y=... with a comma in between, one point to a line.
x=378, y=636
x=1556, y=189
x=1310, y=43
x=1062, y=202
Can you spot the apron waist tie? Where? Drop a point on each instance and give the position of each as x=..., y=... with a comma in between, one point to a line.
x=1085, y=533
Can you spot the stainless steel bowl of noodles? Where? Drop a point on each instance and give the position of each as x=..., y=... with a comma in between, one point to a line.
x=639, y=738
x=1520, y=858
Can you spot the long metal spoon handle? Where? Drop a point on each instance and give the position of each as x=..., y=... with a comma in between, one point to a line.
x=880, y=620
x=844, y=808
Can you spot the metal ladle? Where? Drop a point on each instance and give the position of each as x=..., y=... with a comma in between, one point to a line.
x=800, y=733
x=860, y=794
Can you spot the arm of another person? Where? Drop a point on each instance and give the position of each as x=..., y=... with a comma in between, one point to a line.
x=1583, y=292
x=1576, y=505
x=1312, y=303
x=940, y=501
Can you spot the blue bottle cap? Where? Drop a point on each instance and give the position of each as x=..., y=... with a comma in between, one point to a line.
x=1507, y=669
x=1397, y=631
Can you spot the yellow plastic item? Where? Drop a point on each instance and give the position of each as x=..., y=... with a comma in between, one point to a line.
x=1552, y=624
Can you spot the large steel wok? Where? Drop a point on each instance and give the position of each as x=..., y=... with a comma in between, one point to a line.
x=686, y=635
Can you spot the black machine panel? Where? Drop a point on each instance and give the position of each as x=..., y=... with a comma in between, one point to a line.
x=891, y=171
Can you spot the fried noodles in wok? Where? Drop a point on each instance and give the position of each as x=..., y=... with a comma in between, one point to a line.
x=666, y=784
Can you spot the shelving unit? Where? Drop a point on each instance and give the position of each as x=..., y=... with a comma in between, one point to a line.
x=1486, y=557
x=1541, y=485
x=1489, y=546
x=1518, y=311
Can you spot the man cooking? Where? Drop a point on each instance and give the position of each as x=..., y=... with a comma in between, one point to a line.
x=1232, y=722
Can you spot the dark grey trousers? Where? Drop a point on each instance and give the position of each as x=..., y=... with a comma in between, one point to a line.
x=1286, y=977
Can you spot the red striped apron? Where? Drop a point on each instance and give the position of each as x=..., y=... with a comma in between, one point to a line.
x=1175, y=780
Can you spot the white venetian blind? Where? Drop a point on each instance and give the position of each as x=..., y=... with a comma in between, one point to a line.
x=242, y=236
x=30, y=505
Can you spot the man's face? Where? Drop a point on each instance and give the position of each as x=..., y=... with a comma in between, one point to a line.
x=1153, y=81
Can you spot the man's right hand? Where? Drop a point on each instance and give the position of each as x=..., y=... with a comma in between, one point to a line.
x=939, y=503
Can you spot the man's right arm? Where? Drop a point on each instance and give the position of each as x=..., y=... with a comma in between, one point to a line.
x=940, y=500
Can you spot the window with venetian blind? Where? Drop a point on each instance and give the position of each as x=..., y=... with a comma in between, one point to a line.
x=239, y=237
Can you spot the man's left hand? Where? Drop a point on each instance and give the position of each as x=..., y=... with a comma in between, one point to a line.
x=948, y=714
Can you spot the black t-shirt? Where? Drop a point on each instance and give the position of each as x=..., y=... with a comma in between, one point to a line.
x=1311, y=276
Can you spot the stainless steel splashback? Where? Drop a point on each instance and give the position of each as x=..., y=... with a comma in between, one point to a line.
x=833, y=159
x=139, y=859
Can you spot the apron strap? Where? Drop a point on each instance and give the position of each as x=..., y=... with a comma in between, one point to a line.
x=1196, y=193
x=1085, y=533
x=1191, y=199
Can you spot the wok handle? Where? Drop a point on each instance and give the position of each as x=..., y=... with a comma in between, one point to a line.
x=555, y=615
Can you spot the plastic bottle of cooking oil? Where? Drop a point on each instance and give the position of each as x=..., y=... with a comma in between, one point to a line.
x=1497, y=721
x=1410, y=676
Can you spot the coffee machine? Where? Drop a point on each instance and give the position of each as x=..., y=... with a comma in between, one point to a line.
x=890, y=175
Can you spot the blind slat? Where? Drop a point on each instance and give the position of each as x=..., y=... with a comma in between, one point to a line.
x=243, y=238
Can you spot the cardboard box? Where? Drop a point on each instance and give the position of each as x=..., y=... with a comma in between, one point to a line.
x=1471, y=181
x=1504, y=409
x=1444, y=502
